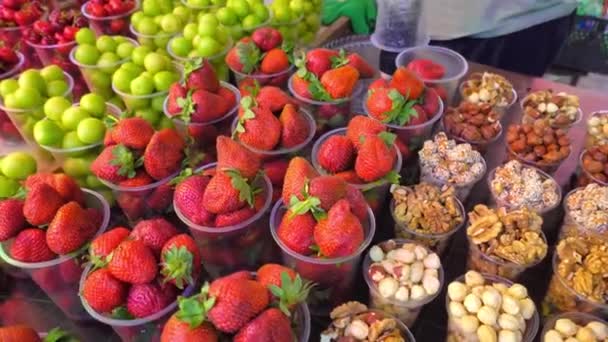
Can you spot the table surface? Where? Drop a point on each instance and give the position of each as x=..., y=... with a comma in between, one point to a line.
x=22, y=302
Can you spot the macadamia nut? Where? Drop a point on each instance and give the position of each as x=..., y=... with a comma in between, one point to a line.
x=599, y=329
x=553, y=336
x=566, y=327
x=473, y=278
x=472, y=303
x=469, y=323
x=457, y=291
x=486, y=333
x=487, y=315
x=456, y=309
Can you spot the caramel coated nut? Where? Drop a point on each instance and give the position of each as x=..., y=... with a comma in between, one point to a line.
x=588, y=208
x=538, y=143
x=560, y=109
x=472, y=122
x=488, y=88
x=597, y=129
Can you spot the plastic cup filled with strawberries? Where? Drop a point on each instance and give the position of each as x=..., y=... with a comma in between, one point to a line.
x=16, y=15
x=322, y=231
x=71, y=218
x=202, y=107
x=226, y=206
x=109, y=16
x=364, y=154
x=136, y=275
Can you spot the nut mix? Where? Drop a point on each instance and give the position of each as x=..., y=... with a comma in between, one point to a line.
x=564, y=329
x=538, y=143
x=353, y=321
x=402, y=276
x=472, y=122
x=597, y=129
x=561, y=109
x=586, y=211
x=515, y=185
x=489, y=88
x=485, y=311
x=595, y=164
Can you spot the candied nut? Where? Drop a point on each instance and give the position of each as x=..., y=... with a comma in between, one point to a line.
x=376, y=254
x=457, y=309
x=387, y=287
x=347, y=309
x=469, y=323
x=420, y=252
x=486, y=333
x=510, y=305
x=585, y=335
x=376, y=272
x=430, y=284
x=472, y=303
x=430, y=272
x=552, y=336
x=416, y=272
x=473, y=278
x=432, y=261
x=403, y=255
x=357, y=329
x=457, y=291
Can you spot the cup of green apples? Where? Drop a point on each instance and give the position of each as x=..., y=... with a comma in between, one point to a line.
x=158, y=21
x=307, y=27
x=241, y=17
x=286, y=20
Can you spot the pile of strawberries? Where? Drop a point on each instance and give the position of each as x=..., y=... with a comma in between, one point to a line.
x=329, y=75
x=53, y=201
x=19, y=12
x=252, y=308
x=140, y=272
x=60, y=28
x=227, y=195
x=364, y=153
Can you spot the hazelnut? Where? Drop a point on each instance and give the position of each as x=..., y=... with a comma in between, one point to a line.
x=486, y=333
x=457, y=291
x=472, y=303
x=599, y=329
x=566, y=327
x=553, y=336
x=585, y=335
x=474, y=278
x=432, y=261
x=357, y=329
x=376, y=254
x=387, y=287
x=469, y=324
x=456, y=309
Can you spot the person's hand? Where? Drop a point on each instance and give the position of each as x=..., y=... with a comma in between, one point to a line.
x=362, y=13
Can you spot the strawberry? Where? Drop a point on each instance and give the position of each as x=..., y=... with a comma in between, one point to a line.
x=41, y=204
x=430, y=102
x=176, y=91
x=340, y=82
x=356, y=61
x=18, y=333
x=271, y=325
x=201, y=75
x=244, y=57
x=11, y=218
x=336, y=154
x=133, y=132
x=406, y=153
x=163, y=155
x=379, y=83
x=274, y=99
x=259, y=128
x=180, y=261
x=146, y=299
x=126, y=256
x=234, y=217
x=154, y=233
x=133, y=206
x=233, y=61
x=341, y=233
x=299, y=173
x=103, y=292
x=115, y=163
x=376, y=157
x=232, y=155
x=380, y=103
x=328, y=189
x=295, y=127
x=274, y=61
x=301, y=86
x=357, y=201
x=229, y=97
x=208, y=106
x=160, y=199
x=350, y=177
x=107, y=139
x=62, y=183
x=30, y=246
x=270, y=274
x=227, y=191
x=318, y=61
x=441, y=92
x=362, y=126
x=70, y=229
x=141, y=179
x=267, y=38
x=275, y=170
x=187, y=324
x=407, y=83
x=188, y=198
x=105, y=243
x=427, y=69
x=418, y=116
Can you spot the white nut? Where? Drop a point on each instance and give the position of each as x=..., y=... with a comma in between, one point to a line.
x=457, y=309
x=472, y=303
x=403, y=294
x=431, y=273
x=585, y=335
x=484, y=95
x=387, y=287
x=405, y=273
x=522, y=323
x=487, y=315
x=566, y=327
x=457, y=291
x=502, y=288
x=416, y=272
x=541, y=107
x=357, y=329
x=599, y=329
x=420, y=252
x=431, y=284
x=417, y=292
x=486, y=333
x=510, y=305
x=492, y=298
x=432, y=261
x=469, y=324
x=552, y=107
x=509, y=336
x=403, y=255
x=508, y=322
x=518, y=291
x=473, y=278
x=388, y=265
x=376, y=254
x=593, y=121
x=473, y=98
x=553, y=336
x=527, y=308
x=478, y=291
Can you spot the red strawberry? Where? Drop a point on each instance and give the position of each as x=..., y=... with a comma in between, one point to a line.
x=30, y=246
x=262, y=131
x=267, y=38
x=234, y=217
x=427, y=69
x=336, y=154
x=358, y=204
x=208, y=106
x=18, y=333
x=407, y=83
x=160, y=199
x=176, y=91
x=301, y=86
x=188, y=198
x=359, y=63
x=430, y=102
x=379, y=83
x=163, y=155
x=146, y=299
x=154, y=233
x=203, y=77
x=126, y=256
x=221, y=196
x=132, y=132
x=318, y=61
x=185, y=327
x=107, y=139
x=376, y=157
x=228, y=96
x=232, y=155
x=105, y=243
x=299, y=172
x=341, y=233
x=441, y=92
x=270, y=325
x=62, y=183
x=274, y=99
x=295, y=127
x=350, y=177
x=328, y=189
x=115, y=163
x=403, y=148
x=11, y=218
x=133, y=206
x=362, y=126
x=70, y=229
x=380, y=102
x=141, y=179
x=41, y=204
x=180, y=261
x=274, y=61
x=275, y=170
x=233, y=60
x=418, y=117
x=103, y=292
x=244, y=57
x=340, y=82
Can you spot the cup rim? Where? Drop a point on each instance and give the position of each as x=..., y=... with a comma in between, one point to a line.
x=178, y=68
x=53, y=46
x=439, y=49
x=436, y=117
x=435, y=180
x=366, y=242
x=198, y=8
x=440, y=236
x=591, y=177
x=68, y=78
x=12, y=72
x=83, y=10
x=579, y=113
x=87, y=66
x=262, y=76
x=150, y=36
x=572, y=315
x=315, y=102
x=105, y=208
x=180, y=59
x=508, y=105
x=420, y=40
x=116, y=187
x=223, y=230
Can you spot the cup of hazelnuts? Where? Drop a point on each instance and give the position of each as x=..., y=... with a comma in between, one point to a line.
x=475, y=123
x=594, y=166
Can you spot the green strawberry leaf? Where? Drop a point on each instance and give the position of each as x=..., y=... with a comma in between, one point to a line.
x=246, y=191
x=393, y=177
x=340, y=60
x=289, y=48
x=249, y=56
x=388, y=138
x=187, y=106
x=299, y=60
x=254, y=89
x=110, y=120
x=21, y=193
x=291, y=292
x=314, y=247
x=183, y=175
x=246, y=103
x=97, y=261
x=178, y=266
x=317, y=91
x=59, y=335
x=192, y=65
x=123, y=157
x=121, y=312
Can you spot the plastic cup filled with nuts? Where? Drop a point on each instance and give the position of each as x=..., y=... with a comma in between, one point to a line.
x=475, y=123
x=538, y=144
x=402, y=277
x=444, y=162
x=574, y=327
x=597, y=129
x=484, y=308
x=505, y=242
x=561, y=109
x=594, y=166
x=353, y=321
x=489, y=88
x=580, y=264
x=426, y=213
x=586, y=212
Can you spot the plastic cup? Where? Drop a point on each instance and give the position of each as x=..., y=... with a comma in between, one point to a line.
x=406, y=311
x=375, y=192
x=527, y=119
x=17, y=68
x=597, y=135
x=334, y=277
x=501, y=110
x=435, y=242
x=455, y=333
x=196, y=10
x=462, y=190
x=478, y=145
x=131, y=330
x=455, y=66
x=12, y=36
x=59, y=277
x=217, y=60
x=571, y=228
x=154, y=41
x=399, y=25
x=578, y=318
x=585, y=178
x=244, y=246
x=111, y=25
x=10, y=135
x=546, y=167
x=278, y=79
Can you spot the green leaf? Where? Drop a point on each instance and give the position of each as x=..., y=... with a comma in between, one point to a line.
x=246, y=191
x=124, y=158
x=110, y=120
x=178, y=266
x=247, y=102
x=121, y=312
x=192, y=65
x=314, y=248
x=21, y=193
x=340, y=60
x=291, y=292
x=317, y=91
x=59, y=335
x=388, y=138
x=249, y=56
x=393, y=177
x=187, y=106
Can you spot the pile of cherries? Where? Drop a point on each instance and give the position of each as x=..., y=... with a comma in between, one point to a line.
x=19, y=12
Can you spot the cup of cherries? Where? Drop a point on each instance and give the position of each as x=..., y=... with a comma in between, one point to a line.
x=109, y=17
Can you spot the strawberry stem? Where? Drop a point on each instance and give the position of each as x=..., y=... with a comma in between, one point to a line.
x=249, y=56
x=178, y=266
x=246, y=191
x=193, y=310
x=123, y=157
x=291, y=292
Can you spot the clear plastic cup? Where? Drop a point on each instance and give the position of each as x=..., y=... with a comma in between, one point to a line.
x=406, y=311
x=571, y=228
x=403, y=329
x=110, y=25
x=548, y=168
x=462, y=190
x=579, y=318
x=334, y=277
x=501, y=110
x=585, y=178
x=12, y=36
x=455, y=333
x=478, y=145
x=527, y=119
x=17, y=68
x=217, y=60
x=59, y=277
x=597, y=135
x=154, y=41
x=435, y=242
x=455, y=66
x=244, y=246
x=399, y=25
x=196, y=10
x=375, y=192
x=279, y=79
x=132, y=330
x=10, y=134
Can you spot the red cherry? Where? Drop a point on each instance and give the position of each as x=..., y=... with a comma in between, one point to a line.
x=69, y=32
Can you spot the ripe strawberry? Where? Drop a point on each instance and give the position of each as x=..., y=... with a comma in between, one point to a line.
x=176, y=91
x=318, y=61
x=407, y=83
x=376, y=157
x=328, y=189
x=406, y=153
x=262, y=131
x=418, y=116
x=275, y=170
x=18, y=333
x=301, y=86
x=202, y=77
x=208, y=106
x=380, y=102
x=146, y=299
x=350, y=177
x=299, y=172
x=126, y=256
x=234, y=217
x=133, y=206
x=133, y=132
x=232, y=155
x=160, y=199
x=141, y=179
x=441, y=92
x=270, y=274
x=188, y=323
x=356, y=61
x=427, y=69
x=233, y=60
x=107, y=139
x=103, y=292
x=154, y=233
x=62, y=183
x=11, y=218
x=362, y=126
x=295, y=127
x=267, y=38
x=30, y=246
x=341, y=233
x=244, y=56
x=163, y=155
x=188, y=198
x=70, y=229
x=340, y=82
x=221, y=196
x=274, y=99
x=270, y=325
x=430, y=102
x=105, y=243
x=115, y=163
x=180, y=261
x=228, y=96
x=274, y=61
x=336, y=154
x=379, y=83
x=41, y=204
x=357, y=201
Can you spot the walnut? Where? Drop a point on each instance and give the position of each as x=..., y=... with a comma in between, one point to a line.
x=582, y=282
x=347, y=309
x=381, y=326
